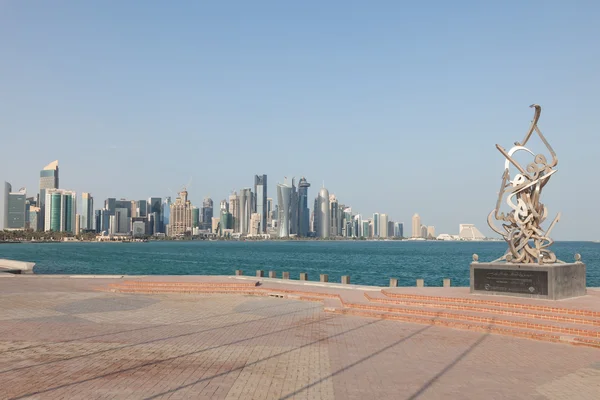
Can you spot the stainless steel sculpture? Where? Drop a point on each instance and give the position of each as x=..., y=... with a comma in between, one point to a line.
x=528, y=243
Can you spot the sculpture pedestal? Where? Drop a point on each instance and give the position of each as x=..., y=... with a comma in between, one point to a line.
x=549, y=281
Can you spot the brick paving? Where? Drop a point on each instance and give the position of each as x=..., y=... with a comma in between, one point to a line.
x=62, y=338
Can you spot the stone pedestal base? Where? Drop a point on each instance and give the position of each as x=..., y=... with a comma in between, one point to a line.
x=549, y=281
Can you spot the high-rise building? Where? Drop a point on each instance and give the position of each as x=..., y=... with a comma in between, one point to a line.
x=142, y=208
x=246, y=206
x=303, y=210
x=48, y=180
x=234, y=209
x=390, y=230
x=155, y=208
x=15, y=208
x=324, y=214
x=226, y=221
x=383, y=226
x=121, y=221
x=376, y=225
x=61, y=208
x=34, y=218
x=269, y=211
x=365, y=229
x=431, y=232
x=255, y=228
x=180, y=221
x=215, y=226
x=87, y=211
x=206, y=213
x=195, y=217
x=77, y=224
x=399, y=229
x=334, y=210
x=294, y=224
x=165, y=215
x=224, y=206
x=424, y=231
x=260, y=189
x=416, y=226
x=284, y=198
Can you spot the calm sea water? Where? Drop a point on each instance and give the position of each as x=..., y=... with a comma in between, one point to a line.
x=368, y=263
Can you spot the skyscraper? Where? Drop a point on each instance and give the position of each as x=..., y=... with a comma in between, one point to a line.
x=155, y=209
x=431, y=232
x=181, y=215
x=206, y=213
x=224, y=206
x=142, y=208
x=260, y=189
x=165, y=215
x=48, y=180
x=7, y=191
x=284, y=197
x=390, y=231
x=424, y=231
x=303, y=210
x=383, y=226
x=195, y=217
x=87, y=211
x=324, y=214
x=269, y=211
x=15, y=208
x=246, y=206
x=335, y=216
x=294, y=225
x=61, y=208
x=376, y=225
x=234, y=209
x=416, y=226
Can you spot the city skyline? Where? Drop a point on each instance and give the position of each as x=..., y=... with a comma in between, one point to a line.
x=396, y=107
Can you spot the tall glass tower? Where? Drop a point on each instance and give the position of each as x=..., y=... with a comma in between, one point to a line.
x=284, y=198
x=87, y=211
x=303, y=211
x=260, y=189
x=48, y=180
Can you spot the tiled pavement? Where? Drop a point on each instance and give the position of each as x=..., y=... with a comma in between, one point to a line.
x=59, y=338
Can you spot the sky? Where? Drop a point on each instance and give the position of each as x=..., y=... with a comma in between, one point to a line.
x=395, y=106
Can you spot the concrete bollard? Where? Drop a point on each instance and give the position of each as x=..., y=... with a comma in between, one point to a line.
x=260, y=273
x=446, y=282
x=346, y=279
x=420, y=283
x=324, y=278
x=393, y=282
x=272, y=274
x=303, y=276
x=285, y=275
x=239, y=272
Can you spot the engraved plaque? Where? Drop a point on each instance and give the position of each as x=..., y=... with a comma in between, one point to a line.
x=511, y=281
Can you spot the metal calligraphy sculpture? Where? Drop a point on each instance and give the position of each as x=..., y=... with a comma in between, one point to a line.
x=528, y=243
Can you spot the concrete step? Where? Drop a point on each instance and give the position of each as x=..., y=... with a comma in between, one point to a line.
x=499, y=310
x=529, y=333
x=188, y=284
x=525, y=304
x=480, y=317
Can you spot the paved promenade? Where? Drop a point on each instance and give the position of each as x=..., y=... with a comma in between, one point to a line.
x=61, y=337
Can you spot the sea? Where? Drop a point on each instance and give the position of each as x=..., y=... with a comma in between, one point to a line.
x=367, y=262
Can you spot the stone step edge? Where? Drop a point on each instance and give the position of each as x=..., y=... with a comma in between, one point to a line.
x=472, y=327
x=504, y=304
x=509, y=312
x=176, y=284
x=265, y=293
x=481, y=319
x=292, y=294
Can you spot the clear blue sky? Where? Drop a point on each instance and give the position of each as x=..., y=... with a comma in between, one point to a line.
x=396, y=106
